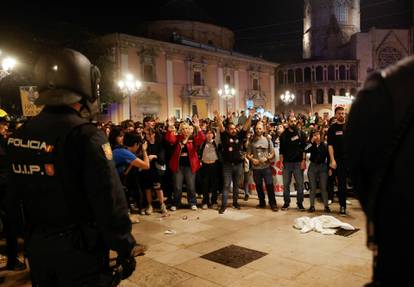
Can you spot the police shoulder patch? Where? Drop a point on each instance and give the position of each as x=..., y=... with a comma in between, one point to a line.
x=106, y=147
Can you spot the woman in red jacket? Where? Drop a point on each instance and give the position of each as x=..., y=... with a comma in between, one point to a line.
x=184, y=161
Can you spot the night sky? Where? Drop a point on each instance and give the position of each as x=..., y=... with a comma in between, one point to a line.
x=271, y=29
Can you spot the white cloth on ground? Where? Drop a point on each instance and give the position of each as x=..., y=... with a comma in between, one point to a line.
x=324, y=224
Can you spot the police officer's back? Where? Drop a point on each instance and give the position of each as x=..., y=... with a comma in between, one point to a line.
x=380, y=148
x=62, y=169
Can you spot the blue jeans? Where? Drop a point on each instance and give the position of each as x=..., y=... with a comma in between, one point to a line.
x=231, y=172
x=264, y=174
x=290, y=168
x=184, y=172
x=318, y=171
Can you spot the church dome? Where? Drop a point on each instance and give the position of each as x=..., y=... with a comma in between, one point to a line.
x=184, y=10
x=183, y=21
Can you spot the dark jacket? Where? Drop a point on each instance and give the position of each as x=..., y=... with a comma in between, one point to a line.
x=381, y=166
x=62, y=170
x=319, y=154
x=292, y=145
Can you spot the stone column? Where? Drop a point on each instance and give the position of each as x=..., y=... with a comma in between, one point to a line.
x=124, y=71
x=325, y=96
x=314, y=92
x=220, y=86
x=237, y=88
x=272, y=93
x=170, y=88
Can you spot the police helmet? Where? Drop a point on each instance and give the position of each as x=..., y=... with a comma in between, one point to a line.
x=66, y=77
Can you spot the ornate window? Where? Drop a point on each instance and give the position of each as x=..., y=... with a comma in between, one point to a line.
x=298, y=75
x=291, y=76
x=197, y=78
x=353, y=72
x=319, y=74
x=197, y=75
x=228, y=80
x=148, y=69
x=331, y=73
x=255, y=81
x=342, y=73
x=319, y=96
x=256, y=84
x=388, y=56
x=341, y=11
x=308, y=75
x=280, y=77
x=147, y=57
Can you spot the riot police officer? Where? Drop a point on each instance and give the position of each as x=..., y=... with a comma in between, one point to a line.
x=381, y=169
x=62, y=170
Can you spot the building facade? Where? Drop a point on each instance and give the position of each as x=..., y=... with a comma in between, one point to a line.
x=182, y=70
x=337, y=56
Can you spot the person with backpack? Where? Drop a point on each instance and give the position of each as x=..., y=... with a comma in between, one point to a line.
x=261, y=152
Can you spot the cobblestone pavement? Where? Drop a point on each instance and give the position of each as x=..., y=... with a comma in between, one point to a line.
x=293, y=259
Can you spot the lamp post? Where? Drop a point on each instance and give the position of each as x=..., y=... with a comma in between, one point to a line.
x=7, y=65
x=227, y=93
x=287, y=97
x=348, y=95
x=129, y=85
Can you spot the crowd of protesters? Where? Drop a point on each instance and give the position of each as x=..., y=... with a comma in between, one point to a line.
x=214, y=158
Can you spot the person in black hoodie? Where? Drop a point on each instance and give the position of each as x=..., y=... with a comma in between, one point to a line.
x=292, y=144
x=318, y=169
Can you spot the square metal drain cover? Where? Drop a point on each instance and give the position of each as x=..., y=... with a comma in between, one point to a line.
x=234, y=256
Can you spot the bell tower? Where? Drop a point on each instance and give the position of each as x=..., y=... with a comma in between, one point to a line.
x=328, y=26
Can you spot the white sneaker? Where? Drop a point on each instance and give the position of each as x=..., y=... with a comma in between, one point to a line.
x=348, y=202
x=193, y=207
x=329, y=202
x=163, y=208
x=148, y=210
x=173, y=208
x=205, y=206
x=214, y=206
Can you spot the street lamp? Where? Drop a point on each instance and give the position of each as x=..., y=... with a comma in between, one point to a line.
x=7, y=65
x=287, y=97
x=348, y=95
x=129, y=86
x=227, y=93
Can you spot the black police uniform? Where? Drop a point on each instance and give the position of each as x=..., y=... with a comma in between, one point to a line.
x=10, y=230
x=379, y=145
x=74, y=204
